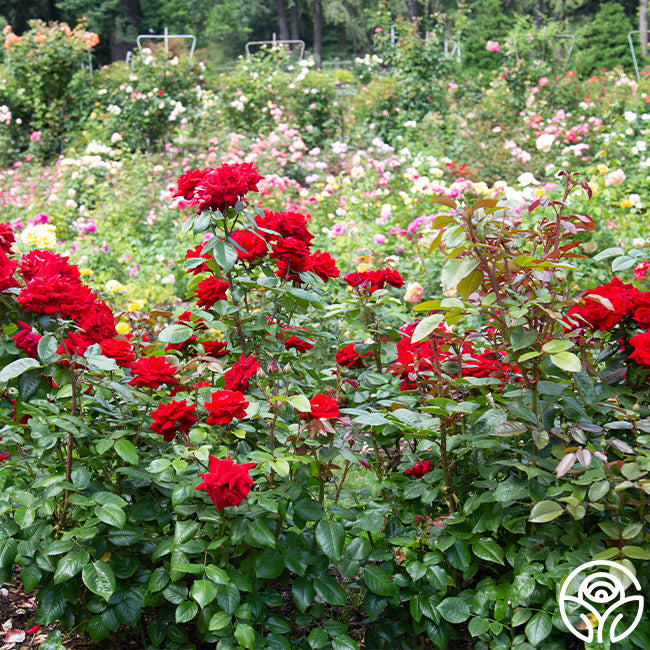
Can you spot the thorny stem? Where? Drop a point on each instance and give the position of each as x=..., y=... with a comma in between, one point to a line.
x=345, y=473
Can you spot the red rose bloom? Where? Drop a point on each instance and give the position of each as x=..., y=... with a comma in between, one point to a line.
x=285, y=224
x=641, y=345
x=420, y=469
x=324, y=266
x=226, y=405
x=348, y=356
x=226, y=483
x=43, y=262
x=46, y=294
x=217, y=189
x=6, y=237
x=215, y=348
x=119, y=350
x=605, y=306
x=302, y=343
x=7, y=269
x=98, y=322
x=393, y=278
x=237, y=376
x=324, y=407
x=151, y=372
x=253, y=243
x=293, y=257
x=210, y=291
x=172, y=418
x=194, y=253
x=27, y=339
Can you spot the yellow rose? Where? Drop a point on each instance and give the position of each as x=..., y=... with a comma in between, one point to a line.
x=41, y=235
x=123, y=328
x=626, y=203
x=363, y=267
x=84, y=272
x=603, y=169
x=136, y=305
x=114, y=286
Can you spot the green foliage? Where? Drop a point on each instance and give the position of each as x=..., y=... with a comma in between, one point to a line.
x=602, y=44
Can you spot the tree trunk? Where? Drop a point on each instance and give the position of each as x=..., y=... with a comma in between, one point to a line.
x=414, y=9
x=293, y=17
x=283, y=24
x=318, y=31
x=540, y=13
x=643, y=26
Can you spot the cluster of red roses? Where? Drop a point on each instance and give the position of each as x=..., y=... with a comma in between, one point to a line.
x=413, y=359
x=220, y=188
x=373, y=280
x=349, y=357
x=52, y=286
x=608, y=305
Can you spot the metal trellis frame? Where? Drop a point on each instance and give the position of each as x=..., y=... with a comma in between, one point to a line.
x=165, y=36
x=636, y=65
x=275, y=41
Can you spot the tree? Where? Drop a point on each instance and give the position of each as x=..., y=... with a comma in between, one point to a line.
x=318, y=30
x=643, y=26
x=283, y=24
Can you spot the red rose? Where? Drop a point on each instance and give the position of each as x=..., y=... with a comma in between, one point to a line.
x=188, y=183
x=323, y=407
x=393, y=278
x=46, y=294
x=6, y=237
x=226, y=483
x=186, y=317
x=324, y=266
x=300, y=343
x=285, y=224
x=27, y=339
x=119, y=350
x=42, y=262
x=172, y=418
x=151, y=372
x=348, y=356
x=210, y=291
x=226, y=405
x=215, y=348
x=7, y=269
x=252, y=242
x=293, y=257
x=369, y=280
x=194, y=253
x=605, y=306
x=98, y=322
x=641, y=345
x=237, y=376
x=420, y=469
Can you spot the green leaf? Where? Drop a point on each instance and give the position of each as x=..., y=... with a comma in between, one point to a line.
x=201, y=222
x=300, y=403
x=129, y=609
x=17, y=368
x=158, y=580
x=24, y=517
x=425, y=327
x=378, y=581
x=545, y=511
x=111, y=514
x=455, y=270
x=520, y=339
x=478, y=625
x=70, y=564
x=636, y=553
x=309, y=509
x=8, y=552
x=97, y=629
x=125, y=536
x=203, y=592
x=538, y=628
x=261, y=534
x=329, y=590
x=317, y=638
x=176, y=333
x=99, y=578
x=344, y=642
x=47, y=347
x=51, y=602
x=228, y=597
x=303, y=592
x=126, y=451
x=598, y=490
x=245, y=635
x=217, y=574
x=219, y=621
x=269, y=564
x=555, y=346
x=186, y=611
x=225, y=254
x=488, y=549
x=30, y=575
x=567, y=361
x=330, y=536
x=454, y=610
x=28, y=384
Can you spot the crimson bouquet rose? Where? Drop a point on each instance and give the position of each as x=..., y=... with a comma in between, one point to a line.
x=226, y=483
